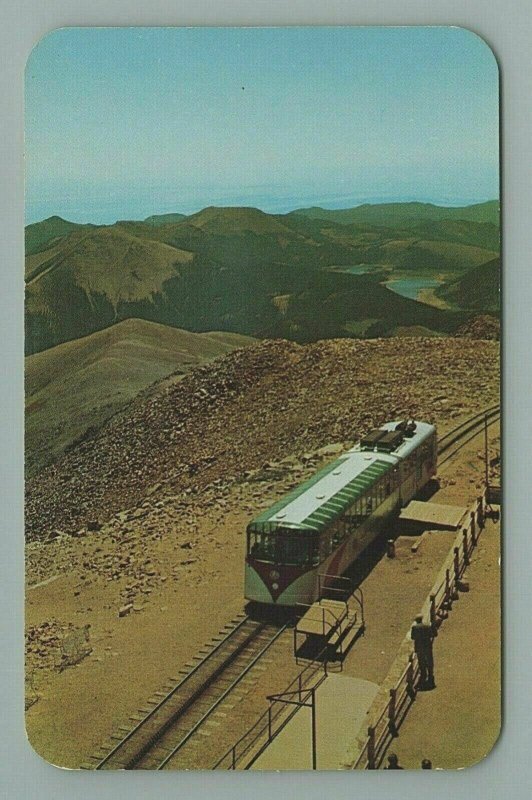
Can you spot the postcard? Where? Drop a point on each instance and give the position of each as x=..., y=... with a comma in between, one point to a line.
x=262, y=340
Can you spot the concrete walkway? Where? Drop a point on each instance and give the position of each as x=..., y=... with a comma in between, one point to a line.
x=341, y=705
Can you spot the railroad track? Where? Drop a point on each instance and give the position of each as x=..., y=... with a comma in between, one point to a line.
x=166, y=734
x=454, y=440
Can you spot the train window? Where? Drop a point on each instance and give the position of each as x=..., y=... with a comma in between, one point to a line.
x=350, y=521
x=295, y=549
x=325, y=545
x=339, y=531
x=262, y=546
x=283, y=548
x=336, y=535
x=313, y=546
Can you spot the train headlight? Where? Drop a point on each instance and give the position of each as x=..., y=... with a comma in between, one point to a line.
x=275, y=586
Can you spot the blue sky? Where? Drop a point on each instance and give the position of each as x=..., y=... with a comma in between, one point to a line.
x=127, y=122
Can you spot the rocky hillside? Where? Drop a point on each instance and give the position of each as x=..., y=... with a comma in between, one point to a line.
x=482, y=326
x=267, y=402
x=72, y=389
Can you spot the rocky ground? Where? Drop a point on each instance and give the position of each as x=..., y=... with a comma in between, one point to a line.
x=257, y=404
x=140, y=531
x=483, y=326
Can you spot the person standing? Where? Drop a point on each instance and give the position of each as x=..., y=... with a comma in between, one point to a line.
x=421, y=635
x=393, y=762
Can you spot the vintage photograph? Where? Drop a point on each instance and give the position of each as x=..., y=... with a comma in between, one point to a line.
x=262, y=398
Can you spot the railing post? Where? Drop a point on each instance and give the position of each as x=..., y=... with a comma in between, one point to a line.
x=433, y=614
x=233, y=759
x=448, y=599
x=270, y=723
x=299, y=685
x=371, y=747
x=410, y=677
x=480, y=511
x=473, y=529
x=391, y=712
x=465, y=546
x=456, y=565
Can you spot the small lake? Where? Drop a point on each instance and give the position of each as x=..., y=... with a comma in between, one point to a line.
x=354, y=269
x=411, y=287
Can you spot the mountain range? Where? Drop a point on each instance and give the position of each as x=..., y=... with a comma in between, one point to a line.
x=306, y=275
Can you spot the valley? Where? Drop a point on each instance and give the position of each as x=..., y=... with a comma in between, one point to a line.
x=298, y=276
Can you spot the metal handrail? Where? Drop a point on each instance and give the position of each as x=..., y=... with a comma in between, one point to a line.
x=266, y=718
x=330, y=625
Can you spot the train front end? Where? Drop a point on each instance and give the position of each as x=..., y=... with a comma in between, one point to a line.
x=281, y=565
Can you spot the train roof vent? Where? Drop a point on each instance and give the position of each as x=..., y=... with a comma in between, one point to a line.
x=390, y=441
x=407, y=427
x=369, y=441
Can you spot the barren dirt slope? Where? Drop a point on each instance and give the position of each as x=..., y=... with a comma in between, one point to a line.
x=71, y=389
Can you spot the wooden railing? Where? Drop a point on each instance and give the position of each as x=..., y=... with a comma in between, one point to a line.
x=401, y=696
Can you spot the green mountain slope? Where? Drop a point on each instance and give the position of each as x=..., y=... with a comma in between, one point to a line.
x=242, y=270
x=40, y=235
x=478, y=289
x=402, y=214
x=163, y=219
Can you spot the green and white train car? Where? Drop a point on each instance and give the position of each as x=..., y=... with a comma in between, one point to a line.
x=324, y=524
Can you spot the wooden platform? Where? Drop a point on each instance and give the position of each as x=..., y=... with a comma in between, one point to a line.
x=323, y=618
x=433, y=514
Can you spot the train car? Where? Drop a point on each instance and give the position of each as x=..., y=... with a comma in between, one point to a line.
x=324, y=524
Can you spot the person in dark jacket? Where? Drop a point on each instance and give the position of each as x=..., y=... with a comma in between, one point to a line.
x=393, y=762
x=422, y=637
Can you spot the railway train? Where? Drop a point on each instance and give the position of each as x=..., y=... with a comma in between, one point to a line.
x=324, y=524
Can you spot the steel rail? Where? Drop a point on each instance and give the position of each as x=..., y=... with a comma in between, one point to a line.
x=170, y=694
x=311, y=668
x=448, y=439
x=473, y=426
x=227, y=691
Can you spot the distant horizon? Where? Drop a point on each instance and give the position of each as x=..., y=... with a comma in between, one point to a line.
x=130, y=122
x=83, y=220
